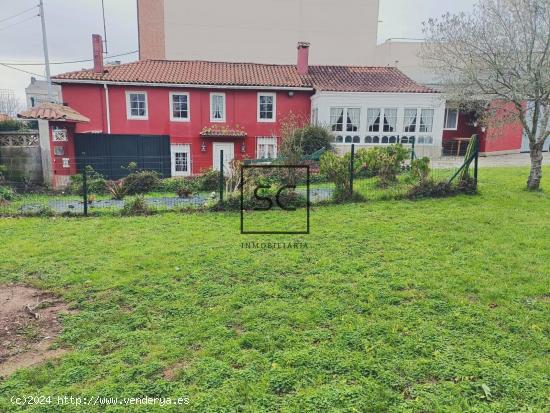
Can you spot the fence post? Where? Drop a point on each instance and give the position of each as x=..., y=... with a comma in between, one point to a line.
x=85, y=184
x=413, y=155
x=221, y=175
x=476, y=160
x=351, y=168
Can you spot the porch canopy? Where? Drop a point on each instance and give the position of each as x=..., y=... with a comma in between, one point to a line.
x=53, y=112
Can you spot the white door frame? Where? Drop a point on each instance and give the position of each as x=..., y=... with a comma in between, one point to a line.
x=228, y=154
x=176, y=148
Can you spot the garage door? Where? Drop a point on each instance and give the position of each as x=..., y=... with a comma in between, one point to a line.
x=111, y=154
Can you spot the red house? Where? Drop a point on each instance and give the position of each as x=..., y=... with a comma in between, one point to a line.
x=203, y=107
x=184, y=113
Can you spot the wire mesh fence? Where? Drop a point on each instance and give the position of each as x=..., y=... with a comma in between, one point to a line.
x=147, y=184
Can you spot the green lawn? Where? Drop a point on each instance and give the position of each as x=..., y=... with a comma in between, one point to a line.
x=426, y=306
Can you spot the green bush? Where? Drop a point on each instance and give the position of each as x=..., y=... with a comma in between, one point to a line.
x=312, y=138
x=209, y=180
x=12, y=125
x=136, y=207
x=96, y=183
x=385, y=162
x=117, y=189
x=6, y=194
x=141, y=182
x=420, y=169
x=186, y=188
x=337, y=170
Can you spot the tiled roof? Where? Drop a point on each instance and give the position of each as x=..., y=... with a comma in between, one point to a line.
x=328, y=78
x=53, y=111
x=363, y=79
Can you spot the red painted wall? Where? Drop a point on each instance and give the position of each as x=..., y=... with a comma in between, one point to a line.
x=68, y=150
x=241, y=109
x=505, y=132
x=500, y=136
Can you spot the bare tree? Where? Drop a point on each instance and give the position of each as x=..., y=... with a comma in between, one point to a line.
x=9, y=103
x=498, y=53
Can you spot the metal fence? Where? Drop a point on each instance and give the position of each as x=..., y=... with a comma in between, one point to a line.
x=189, y=184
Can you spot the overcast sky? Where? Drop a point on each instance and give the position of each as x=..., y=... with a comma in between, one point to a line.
x=70, y=24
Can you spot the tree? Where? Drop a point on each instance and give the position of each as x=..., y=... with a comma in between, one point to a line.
x=9, y=103
x=312, y=138
x=500, y=53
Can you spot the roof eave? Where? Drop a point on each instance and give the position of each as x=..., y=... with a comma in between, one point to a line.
x=181, y=85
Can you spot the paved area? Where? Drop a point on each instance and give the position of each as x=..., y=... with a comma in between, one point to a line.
x=494, y=161
x=520, y=159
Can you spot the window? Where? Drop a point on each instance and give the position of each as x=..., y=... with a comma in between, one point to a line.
x=136, y=105
x=352, y=119
x=181, y=160
x=266, y=107
x=179, y=107
x=373, y=120
x=451, y=119
x=351, y=115
x=410, y=120
x=390, y=120
x=266, y=148
x=426, y=120
x=217, y=107
x=337, y=119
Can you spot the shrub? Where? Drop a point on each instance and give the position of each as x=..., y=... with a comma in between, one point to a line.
x=141, y=182
x=232, y=202
x=186, y=188
x=337, y=170
x=117, y=189
x=96, y=182
x=12, y=125
x=209, y=180
x=438, y=189
x=420, y=169
x=385, y=162
x=6, y=194
x=430, y=189
x=136, y=206
x=312, y=138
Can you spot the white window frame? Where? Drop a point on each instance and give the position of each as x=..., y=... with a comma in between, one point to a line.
x=223, y=119
x=345, y=116
x=274, y=117
x=129, y=107
x=171, y=104
x=266, y=140
x=180, y=148
x=456, y=120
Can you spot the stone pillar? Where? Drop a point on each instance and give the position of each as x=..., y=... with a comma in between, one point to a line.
x=45, y=151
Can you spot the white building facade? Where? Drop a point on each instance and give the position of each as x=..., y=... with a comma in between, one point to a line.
x=372, y=119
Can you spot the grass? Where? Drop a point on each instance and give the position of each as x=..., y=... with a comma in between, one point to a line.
x=399, y=306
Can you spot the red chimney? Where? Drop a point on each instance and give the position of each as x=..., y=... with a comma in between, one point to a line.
x=97, y=43
x=303, y=58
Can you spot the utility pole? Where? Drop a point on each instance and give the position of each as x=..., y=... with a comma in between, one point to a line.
x=104, y=27
x=46, y=56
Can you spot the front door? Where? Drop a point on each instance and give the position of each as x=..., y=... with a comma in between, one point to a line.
x=228, y=155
